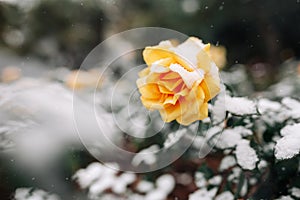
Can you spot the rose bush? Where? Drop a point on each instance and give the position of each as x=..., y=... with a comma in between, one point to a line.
x=179, y=80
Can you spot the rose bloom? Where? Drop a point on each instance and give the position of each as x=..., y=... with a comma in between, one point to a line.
x=179, y=80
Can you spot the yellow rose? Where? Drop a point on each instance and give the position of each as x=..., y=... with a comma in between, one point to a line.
x=179, y=80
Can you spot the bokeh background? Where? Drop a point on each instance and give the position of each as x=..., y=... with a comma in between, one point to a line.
x=61, y=33
x=261, y=37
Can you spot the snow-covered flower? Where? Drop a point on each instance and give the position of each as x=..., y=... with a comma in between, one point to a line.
x=179, y=80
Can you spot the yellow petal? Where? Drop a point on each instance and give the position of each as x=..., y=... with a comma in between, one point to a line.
x=152, y=104
x=218, y=54
x=170, y=112
x=171, y=99
x=144, y=72
x=210, y=86
x=171, y=84
x=169, y=75
x=150, y=91
x=204, y=61
x=188, y=118
x=164, y=90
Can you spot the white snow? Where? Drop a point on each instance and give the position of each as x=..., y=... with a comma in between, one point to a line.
x=228, y=139
x=293, y=107
x=218, y=109
x=290, y=130
x=288, y=146
x=189, y=78
x=216, y=180
x=164, y=186
x=203, y=194
x=98, y=177
x=243, y=131
x=144, y=186
x=265, y=105
x=246, y=155
x=146, y=155
x=227, y=162
x=240, y=105
x=85, y=177
x=34, y=194
x=295, y=192
x=166, y=182
x=225, y=196
x=262, y=164
x=235, y=173
x=157, y=194
x=200, y=180
x=46, y=109
x=286, y=197
x=174, y=137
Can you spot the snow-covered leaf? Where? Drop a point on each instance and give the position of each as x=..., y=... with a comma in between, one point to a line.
x=34, y=194
x=240, y=105
x=288, y=146
x=146, y=155
x=203, y=194
x=227, y=162
x=225, y=196
x=246, y=155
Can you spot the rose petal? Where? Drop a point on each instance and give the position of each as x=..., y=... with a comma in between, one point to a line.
x=189, y=78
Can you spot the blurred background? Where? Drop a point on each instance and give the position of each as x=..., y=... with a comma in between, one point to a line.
x=261, y=37
x=62, y=32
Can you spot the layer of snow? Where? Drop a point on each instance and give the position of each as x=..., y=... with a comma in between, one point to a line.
x=174, y=137
x=246, y=155
x=189, y=78
x=98, y=178
x=265, y=105
x=225, y=196
x=240, y=105
x=216, y=180
x=34, y=194
x=144, y=186
x=290, y=130
x=288, y=146
x=228, y=139
x=85, y=177
x=166, y=182
x=146, y=155
x=295, y=192
x=200, y=180
x=293, y=107
x=227, y=162
x=286, y=197
x=203, y=194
